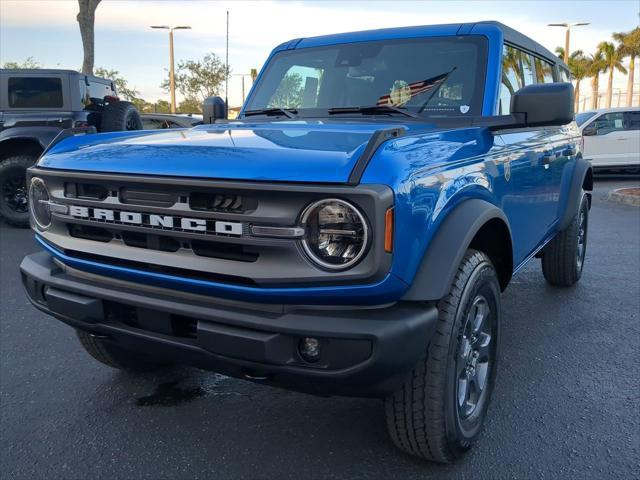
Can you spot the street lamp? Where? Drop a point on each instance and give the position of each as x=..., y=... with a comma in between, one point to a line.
x=566, y=35
x=172, y=81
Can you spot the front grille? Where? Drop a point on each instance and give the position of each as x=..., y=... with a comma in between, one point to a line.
x=218, y=202
x=152, y=242
x=85, y=191
x=86, y=232
x=147, y=197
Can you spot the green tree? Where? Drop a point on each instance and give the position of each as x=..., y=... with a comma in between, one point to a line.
x=29, y=62
x=595, y=66
x=190, y=105
x=122, y=86
x=162, y=106
x=579, y=67
x=199, y=79
x=629, y=47
x=612, y=61
x=289, y=93
x=560, y=52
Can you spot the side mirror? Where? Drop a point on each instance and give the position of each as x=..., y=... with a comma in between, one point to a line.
x=213, y=108
x=544, y=104
x=590, y=131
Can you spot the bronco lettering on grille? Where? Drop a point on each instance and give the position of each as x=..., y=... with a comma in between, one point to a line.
x=152, y=220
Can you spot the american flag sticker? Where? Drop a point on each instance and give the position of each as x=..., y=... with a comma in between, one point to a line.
x=401, y=91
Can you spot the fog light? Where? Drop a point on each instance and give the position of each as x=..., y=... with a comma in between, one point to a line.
x=309, y=349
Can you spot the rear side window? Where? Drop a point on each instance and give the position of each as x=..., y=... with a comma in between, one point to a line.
x=95, y=90
x=544, y=71
x=35, y=92
x=632, y=120
x=517, y=71
x=564, y=75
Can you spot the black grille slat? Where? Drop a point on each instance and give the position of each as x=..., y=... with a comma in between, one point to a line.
x=218, y=202
x=150, y=198
x=85, y=191
x=224, y=251
x=86, y=232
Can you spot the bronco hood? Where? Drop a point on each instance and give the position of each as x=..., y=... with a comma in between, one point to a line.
x=279, y=151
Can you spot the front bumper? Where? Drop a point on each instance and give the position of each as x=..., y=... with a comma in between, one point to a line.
x=365, y=351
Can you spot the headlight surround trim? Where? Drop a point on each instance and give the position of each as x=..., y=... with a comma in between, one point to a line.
x=37, y=202
x=309, y=251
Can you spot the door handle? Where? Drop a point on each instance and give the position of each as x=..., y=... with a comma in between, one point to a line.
x=623, y=138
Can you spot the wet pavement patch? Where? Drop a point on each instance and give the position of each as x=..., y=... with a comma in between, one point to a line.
x=169, y=395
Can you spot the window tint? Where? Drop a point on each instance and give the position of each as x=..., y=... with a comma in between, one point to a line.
x=564, y=75
x=298, y=88
x=632, y=120
x=544, y=71
x=609, y=122
x=34, y=92
x=95, y=90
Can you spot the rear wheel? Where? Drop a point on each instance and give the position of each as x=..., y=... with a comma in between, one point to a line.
x=440, y=411
x=563, y=257
x=113, y=356
x=14, y=207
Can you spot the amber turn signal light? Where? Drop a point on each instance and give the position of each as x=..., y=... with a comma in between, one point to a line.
x=388, y=231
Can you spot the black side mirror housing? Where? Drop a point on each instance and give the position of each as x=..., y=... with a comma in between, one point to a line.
x=213, y=108
x=545, y=104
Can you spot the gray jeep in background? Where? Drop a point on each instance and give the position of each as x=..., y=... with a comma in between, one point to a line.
x=35, y=107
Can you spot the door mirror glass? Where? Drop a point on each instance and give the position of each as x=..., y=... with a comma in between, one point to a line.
x=589, y=131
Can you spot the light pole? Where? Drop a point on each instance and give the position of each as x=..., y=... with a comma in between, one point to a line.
x=242, y=75
x=172, y=80
x=566, y=35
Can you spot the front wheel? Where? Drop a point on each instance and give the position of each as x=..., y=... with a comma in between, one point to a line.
x=14, y=207
x=563, y=257
x=440, y=411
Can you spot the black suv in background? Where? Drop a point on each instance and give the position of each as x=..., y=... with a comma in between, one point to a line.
x=35, y=106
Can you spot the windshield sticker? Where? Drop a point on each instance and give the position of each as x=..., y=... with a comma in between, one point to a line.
x=464, y=108
x=400, y=93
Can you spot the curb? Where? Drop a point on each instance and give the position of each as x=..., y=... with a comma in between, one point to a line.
x=619, y=196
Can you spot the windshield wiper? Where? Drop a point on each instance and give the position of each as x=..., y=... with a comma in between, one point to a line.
x=287, y=112
x=373, y=110
x=440, y=79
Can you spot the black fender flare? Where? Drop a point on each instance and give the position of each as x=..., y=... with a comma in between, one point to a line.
x=445, y=252
x=582, y=177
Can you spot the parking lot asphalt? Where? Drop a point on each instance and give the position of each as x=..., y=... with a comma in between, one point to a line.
x=566, y=404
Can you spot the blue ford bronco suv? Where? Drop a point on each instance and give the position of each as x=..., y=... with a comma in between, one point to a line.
x=349, y=234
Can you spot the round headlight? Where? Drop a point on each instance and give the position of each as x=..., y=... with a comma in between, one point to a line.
x=337, y=234
x=39, y=203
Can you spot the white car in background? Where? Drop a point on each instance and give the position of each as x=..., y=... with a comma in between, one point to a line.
x=611, y=138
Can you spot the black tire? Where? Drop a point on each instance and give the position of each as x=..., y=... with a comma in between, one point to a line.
x=426, y=418
x=120, y=116
x=113, y=356
x=563, y=257
x=14, y=206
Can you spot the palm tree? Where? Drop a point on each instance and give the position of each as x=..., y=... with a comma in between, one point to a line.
x=613, y=61
x=595, y=65
x=560, y=52
x=579, y=67
x=629, y=47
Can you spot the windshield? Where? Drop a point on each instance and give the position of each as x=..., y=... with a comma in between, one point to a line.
x=583, y=117
x=430, y=76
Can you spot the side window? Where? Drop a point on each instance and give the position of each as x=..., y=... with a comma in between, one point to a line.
x=609, y=122
x=632, y=120
x=35, y=92
x=564, y=75
x=298, y=88
x=93, y=90
x=544, y=71
x=517, y=71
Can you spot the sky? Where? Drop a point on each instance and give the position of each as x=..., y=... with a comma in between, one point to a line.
x=47, y=29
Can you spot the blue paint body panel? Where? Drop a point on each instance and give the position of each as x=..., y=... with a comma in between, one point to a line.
x=431, y=171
